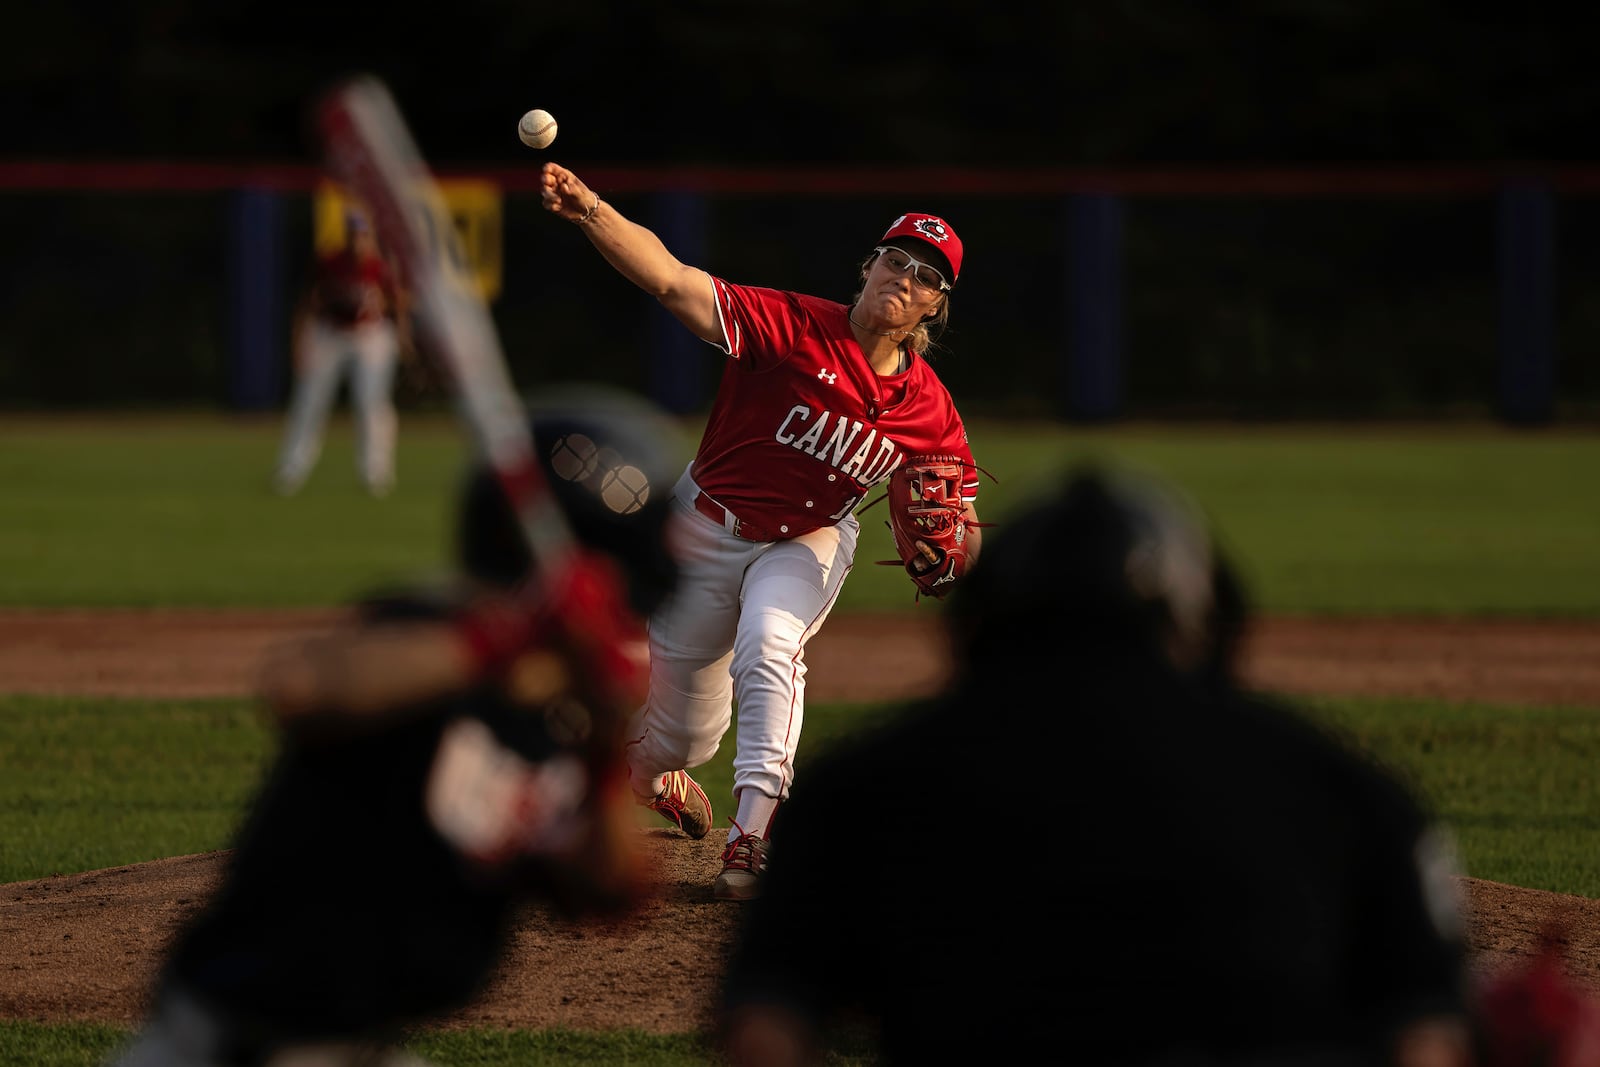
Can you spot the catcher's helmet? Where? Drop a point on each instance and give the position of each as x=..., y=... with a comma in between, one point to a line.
x=1113, y=558
x=611, y=460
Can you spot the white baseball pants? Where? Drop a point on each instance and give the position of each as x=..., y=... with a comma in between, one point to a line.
x=368, y=354
x=734, y=632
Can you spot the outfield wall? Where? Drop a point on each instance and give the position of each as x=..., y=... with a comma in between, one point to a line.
x=1086, y=296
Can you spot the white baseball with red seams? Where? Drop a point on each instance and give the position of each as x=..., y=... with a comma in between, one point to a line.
x=537, y=128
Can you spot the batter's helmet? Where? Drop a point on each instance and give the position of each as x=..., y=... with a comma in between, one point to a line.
x=612, y=460
x=1115, y=559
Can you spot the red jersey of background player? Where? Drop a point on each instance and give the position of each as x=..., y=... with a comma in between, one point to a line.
x=352, y=286
x=802, y=427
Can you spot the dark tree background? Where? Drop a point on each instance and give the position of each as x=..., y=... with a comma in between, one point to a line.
x=821, y=81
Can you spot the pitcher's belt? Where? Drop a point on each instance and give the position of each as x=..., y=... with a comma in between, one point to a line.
x=726, y=519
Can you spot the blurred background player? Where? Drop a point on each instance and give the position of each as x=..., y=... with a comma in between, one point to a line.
x=438, y=762
x=819, y=402
x=352, y=324
x=1185, y=873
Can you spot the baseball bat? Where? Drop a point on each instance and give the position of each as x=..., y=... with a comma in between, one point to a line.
x=574, y=597
x=577, y=596
x=369, y=148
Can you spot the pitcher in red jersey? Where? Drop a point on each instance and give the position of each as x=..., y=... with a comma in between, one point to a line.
x=819, y=402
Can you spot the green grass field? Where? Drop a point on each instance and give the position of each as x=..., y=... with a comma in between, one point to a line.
x=101, y=783
x=177, y=511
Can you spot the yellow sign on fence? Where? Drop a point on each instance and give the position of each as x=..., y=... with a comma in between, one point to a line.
x=474, y=207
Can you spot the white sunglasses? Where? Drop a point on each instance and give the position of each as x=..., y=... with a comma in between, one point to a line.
x=924, y=274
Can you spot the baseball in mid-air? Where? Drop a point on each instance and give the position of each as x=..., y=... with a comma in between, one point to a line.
x=537, y=128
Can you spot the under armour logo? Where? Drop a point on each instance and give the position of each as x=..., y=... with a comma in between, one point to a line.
x=829, y=376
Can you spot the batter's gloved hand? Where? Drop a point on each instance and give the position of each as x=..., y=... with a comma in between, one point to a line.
x=580, y=610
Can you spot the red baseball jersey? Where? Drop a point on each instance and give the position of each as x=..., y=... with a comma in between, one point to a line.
x=353, y=289
x=802, y=427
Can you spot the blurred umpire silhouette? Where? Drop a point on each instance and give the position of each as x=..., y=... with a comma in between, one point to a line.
x=1094, y=846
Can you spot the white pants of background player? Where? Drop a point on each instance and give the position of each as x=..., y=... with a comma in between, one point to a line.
x=735, y=630
x=326, y=354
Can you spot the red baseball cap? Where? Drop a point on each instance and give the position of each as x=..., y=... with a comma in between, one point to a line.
x=935, y=232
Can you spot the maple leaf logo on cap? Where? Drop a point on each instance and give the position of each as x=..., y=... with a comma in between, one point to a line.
x=933, y=229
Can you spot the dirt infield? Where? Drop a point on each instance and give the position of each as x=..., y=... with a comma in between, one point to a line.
x=84, y=946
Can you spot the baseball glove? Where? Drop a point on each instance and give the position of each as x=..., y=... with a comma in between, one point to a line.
x=932, y=534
